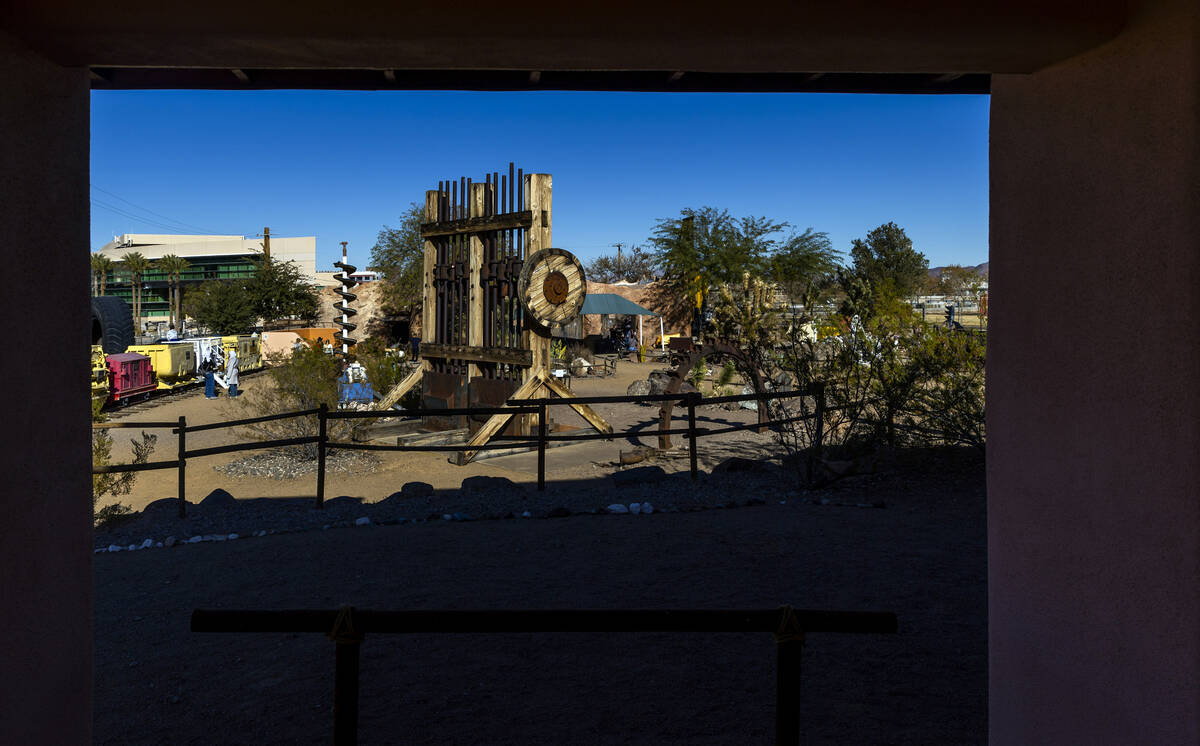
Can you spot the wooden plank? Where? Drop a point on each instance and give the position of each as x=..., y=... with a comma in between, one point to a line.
x=496, y=422
x=539, y=200
x=511, y=355
x=429, y=297
x=479, y=198
x=507, y=221
x=586, y=412
x=399, y=390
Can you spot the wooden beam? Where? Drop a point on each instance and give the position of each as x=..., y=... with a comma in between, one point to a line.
x=399, y=390
x=504, y=222
x=510, y=355
x=586, y=412
x=479, y=199
x=428, y=290
x=538, y=199
x=496, y=422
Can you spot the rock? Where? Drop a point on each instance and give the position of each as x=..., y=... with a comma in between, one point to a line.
x=477, y=484
x=638, y=475
x=647, y=508
x=617, y=508
x=635, y=508
x=632, y=457
x=195, y=540
x=579, y=367
x=169, y=541
x=232, y=537
x=687, y=388
x=739, y=464
x=526, y=514
x=638, y=388
x=101, y=550
x=447, y=517
x=114, y=548
x=163, y=506
x=218, y=498
x=659, y=380
x=416, y=489
x=132, y=547
x=158, y=545
x=343, y=501
x=461, y=517
x=363, y=521
x=559, y=512
x=147, y=544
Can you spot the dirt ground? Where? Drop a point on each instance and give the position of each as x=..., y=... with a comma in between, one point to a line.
x=570, y=462
x=923, y=557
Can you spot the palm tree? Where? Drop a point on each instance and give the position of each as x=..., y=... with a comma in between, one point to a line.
x=136, y=265
x=101, y=265
x=174, y=266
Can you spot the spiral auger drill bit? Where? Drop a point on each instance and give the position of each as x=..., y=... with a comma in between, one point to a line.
x=344, y=305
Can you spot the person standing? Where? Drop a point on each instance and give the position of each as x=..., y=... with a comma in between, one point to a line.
x=208, y=368
x=231, y=372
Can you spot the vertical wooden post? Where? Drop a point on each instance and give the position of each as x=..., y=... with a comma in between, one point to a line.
x=542, y=444
x=788, y=659
x=182, y=467
x=345, y=690
x=691, y=405
x=479, y=197
x=321, y=438
x=428, y=292
x=538, y=190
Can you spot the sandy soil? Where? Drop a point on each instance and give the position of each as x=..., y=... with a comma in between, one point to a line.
x=397, y=468
x=922, y=557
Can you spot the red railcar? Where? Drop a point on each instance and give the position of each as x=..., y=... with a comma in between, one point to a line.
x=129, y=375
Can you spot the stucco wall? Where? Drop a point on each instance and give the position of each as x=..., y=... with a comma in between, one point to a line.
x=1093, y=403
x=45, y=523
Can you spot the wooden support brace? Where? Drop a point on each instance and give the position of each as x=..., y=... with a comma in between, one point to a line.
x=429, y=291
x=496, y=422
x=399, y=390
x=586, y=412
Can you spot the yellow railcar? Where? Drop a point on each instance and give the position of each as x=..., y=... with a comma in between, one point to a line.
x=174, y=364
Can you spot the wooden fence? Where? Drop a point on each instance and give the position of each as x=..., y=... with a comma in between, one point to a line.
x=516, y=407
x=347, y=627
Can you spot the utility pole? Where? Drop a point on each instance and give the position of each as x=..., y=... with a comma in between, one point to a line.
x=267, y=245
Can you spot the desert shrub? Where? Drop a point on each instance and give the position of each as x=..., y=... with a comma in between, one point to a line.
x=577, y=350
x=558, y=349
x=697, y=374
x=385, y=368
x=114, y=484
x=303, y=379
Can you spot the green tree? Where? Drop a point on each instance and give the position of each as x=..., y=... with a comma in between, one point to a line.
x=174, y=266
x=279, y=290
x=889, y=265
x=101, y=266
x=136, y=264
x=636, y=266
x=707, y=247
x=399, y=253
x=804, y=264
x=223, y=306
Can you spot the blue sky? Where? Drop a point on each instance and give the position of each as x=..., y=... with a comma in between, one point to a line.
x=340, y=165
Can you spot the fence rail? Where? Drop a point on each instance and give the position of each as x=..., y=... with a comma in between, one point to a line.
x=516, y=407
x=348, y=626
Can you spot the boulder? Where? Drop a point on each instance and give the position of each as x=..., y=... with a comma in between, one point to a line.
x=579, y=367
x=659, y=381
x=477, y=484
x=163, y=506
x=638, y=388
x=363, y=521
x=218, y=498
x=638, y=475
x=343, y=501
x=617, y=508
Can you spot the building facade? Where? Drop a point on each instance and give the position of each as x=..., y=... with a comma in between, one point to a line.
x=210, y=257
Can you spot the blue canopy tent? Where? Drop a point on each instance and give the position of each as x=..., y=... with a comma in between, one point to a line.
x=616, y=305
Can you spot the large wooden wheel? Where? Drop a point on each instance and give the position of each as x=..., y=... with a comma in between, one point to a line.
x=552, y=286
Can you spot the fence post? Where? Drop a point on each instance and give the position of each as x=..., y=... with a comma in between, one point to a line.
x=182, y=467
x=542, y=445
x=814, y=451
x=321, y=420
x=347, y=644
x=789, y=650
x=691, y=405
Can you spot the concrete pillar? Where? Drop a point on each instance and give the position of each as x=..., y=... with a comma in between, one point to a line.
x=45, y=520
x=1094, y=392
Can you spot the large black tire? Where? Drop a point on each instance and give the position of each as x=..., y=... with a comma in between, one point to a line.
x=112, y=324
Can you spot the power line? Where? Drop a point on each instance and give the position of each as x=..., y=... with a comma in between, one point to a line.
x=169, y=220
